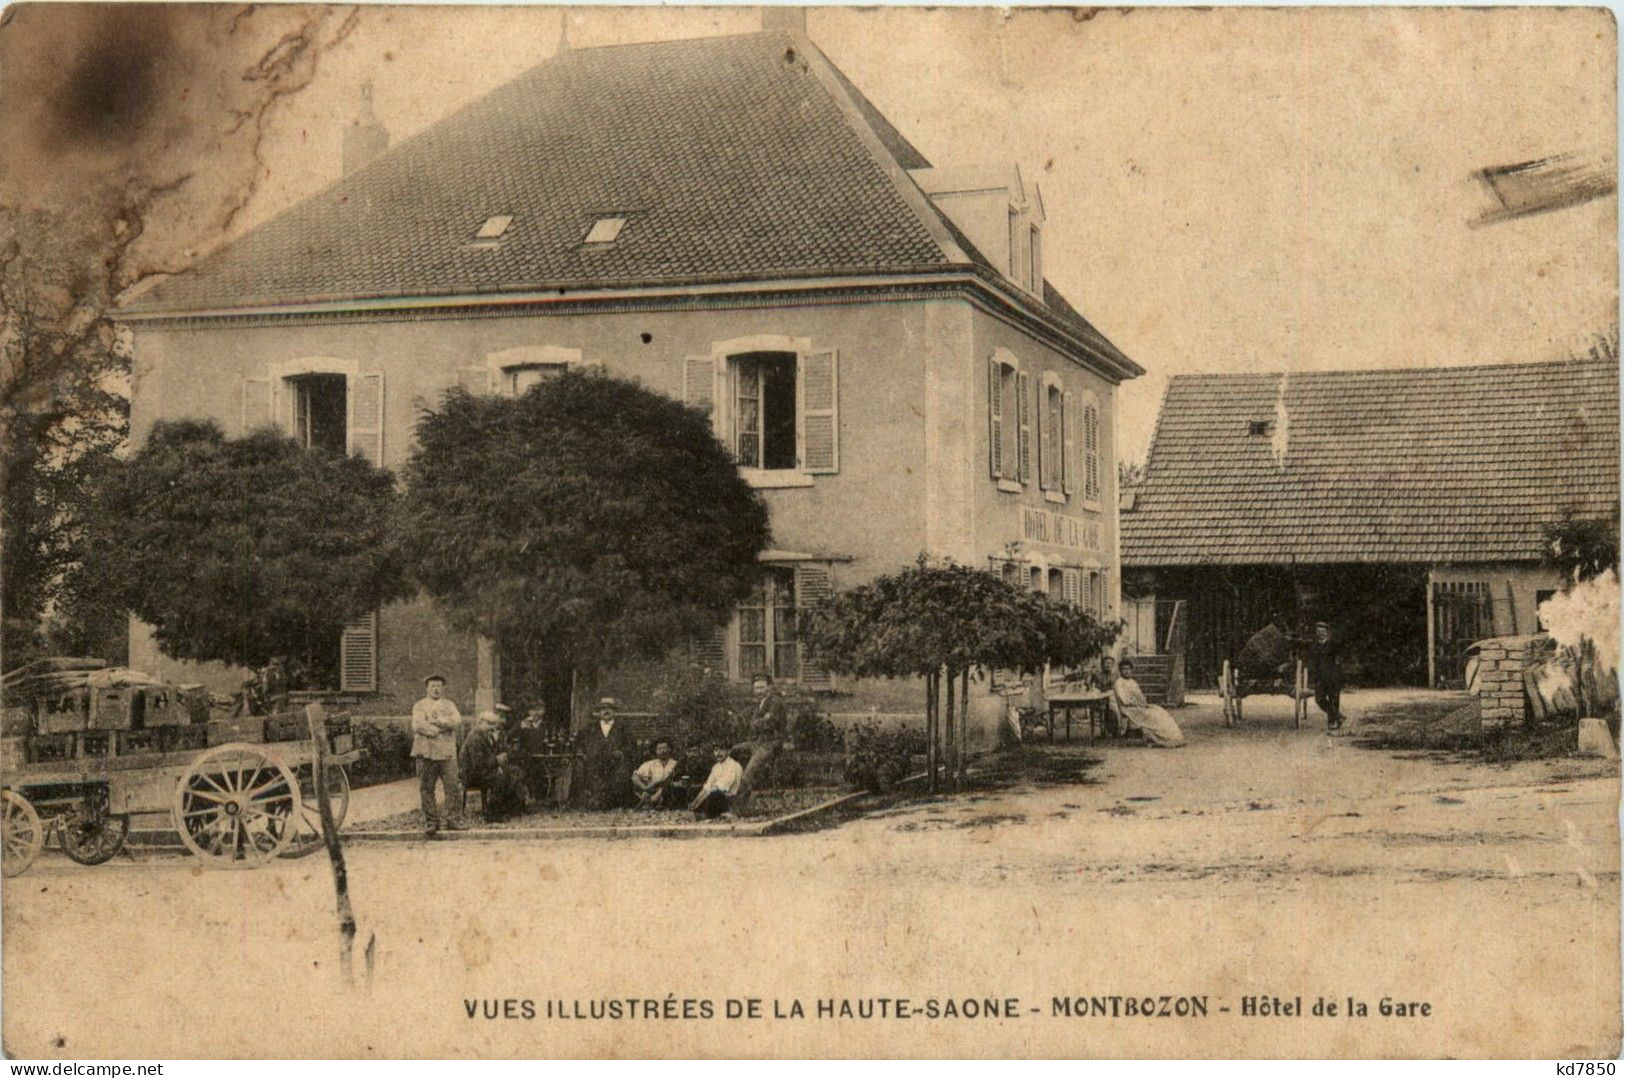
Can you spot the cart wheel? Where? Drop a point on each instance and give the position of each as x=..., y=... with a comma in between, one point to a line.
x=22, y=835
x=93, y=841
x=307, y=836
x=236, y=806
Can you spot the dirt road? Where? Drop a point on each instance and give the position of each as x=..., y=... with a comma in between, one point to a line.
x=1265, y=863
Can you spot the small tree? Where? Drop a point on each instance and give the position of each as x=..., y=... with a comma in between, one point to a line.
x=587, y=523
x=939, y=623
x=239, y=550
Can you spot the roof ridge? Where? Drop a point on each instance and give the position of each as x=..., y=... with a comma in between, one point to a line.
x=1524, y=365
x=844, y=94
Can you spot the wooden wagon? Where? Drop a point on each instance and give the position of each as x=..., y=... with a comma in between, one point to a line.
x=105, y=750
x=1270, y=664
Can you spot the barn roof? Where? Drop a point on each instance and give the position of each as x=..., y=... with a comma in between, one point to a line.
x=1434, y=465
x=730, y=159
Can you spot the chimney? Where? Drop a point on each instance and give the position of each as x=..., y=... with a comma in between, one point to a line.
x=365, y=139
x=784, y=17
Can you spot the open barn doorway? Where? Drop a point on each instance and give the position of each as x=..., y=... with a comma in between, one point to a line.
x=1379, y=612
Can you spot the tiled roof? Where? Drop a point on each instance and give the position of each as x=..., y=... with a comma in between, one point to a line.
x=737, y=158
x=1439, y=465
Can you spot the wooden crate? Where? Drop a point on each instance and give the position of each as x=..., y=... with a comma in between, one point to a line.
x=110, y=708
x=287, y=726
x=160, y=705
x=64, y=713
x=50, y=748
x=225, y=731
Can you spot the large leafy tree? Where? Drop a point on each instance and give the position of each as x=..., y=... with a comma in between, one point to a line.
x=239, y=550
x=585, y=523
x=939, y=623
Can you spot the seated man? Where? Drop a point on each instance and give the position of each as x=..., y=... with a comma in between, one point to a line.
x=484, y=767
x=716, y=796
x=653, y=779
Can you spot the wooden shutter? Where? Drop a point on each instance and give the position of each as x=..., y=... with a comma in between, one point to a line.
x=256, y=404
x=1069, y=441
x=710, y=650
x=820, y=428
x=995, y=418
x=1091, y=452
x=1072, y=586
x=358, y=655
x=814, y=585
x=703, y=389
x=1024, y=439
x=366, y=417
x=1041, y=404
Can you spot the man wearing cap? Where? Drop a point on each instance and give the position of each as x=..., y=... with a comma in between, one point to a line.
x=1326, y=675
x=483, y=765
x=435, y=720
x=604, y=750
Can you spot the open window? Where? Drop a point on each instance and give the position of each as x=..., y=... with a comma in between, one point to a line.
x=320, y=404
x=774, y=402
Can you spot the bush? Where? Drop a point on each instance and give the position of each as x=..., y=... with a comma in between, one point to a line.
x=386, y=751
x=878, y=757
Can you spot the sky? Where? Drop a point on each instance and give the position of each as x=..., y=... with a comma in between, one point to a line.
x=1226, y=190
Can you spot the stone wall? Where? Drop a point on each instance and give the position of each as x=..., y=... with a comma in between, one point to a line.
x=1498, y=678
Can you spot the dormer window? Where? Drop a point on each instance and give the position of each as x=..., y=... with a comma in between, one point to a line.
x=605, y=230
x=494, y=227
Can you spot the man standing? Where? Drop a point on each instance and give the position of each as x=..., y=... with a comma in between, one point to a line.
x=434, y=749
x=769, y=729
x=603, y=747
x=721, y=789
x=1326, y=675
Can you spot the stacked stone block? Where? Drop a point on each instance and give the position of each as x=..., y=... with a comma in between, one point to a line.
x=1501, y=665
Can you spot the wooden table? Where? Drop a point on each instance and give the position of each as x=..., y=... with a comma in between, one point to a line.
x=1092, y=701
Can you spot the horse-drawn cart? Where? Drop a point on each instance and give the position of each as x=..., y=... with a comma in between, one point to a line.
x=106, y=749
x=1270, y=663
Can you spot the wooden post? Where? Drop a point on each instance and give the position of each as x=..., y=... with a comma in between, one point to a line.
x=316, y=719
x=930, y=730
x=964, y=714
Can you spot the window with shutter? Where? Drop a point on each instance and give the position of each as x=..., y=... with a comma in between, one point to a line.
x=1091, y=451
x=820, y=422
x=256, y=404
x=995, y=417
x=1072, y=586
x=358, y=655
x=1024, y=438
x=1069, y=442
x=367, y=417
x=815, y=585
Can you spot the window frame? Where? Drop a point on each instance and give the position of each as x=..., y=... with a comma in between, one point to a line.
x=724, y=355
x=1091, y=484
x=500, y=365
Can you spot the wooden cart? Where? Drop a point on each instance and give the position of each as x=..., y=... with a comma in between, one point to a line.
x=1233, y=688
x=99, y=759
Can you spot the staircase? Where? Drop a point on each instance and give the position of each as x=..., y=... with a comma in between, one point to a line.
x=1161, y=678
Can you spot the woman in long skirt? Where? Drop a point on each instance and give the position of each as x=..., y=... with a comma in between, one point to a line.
x=1156, y=725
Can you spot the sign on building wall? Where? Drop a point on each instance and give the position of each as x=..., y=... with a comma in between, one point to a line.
x=1043, y=526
